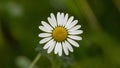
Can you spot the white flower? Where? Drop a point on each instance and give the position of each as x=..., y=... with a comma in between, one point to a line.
x=60, y=33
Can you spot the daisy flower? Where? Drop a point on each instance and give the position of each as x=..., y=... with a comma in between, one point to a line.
x=60, y=34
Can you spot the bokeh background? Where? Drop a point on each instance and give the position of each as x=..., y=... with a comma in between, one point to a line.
x=19, y=42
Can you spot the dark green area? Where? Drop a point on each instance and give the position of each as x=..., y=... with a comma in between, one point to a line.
x=100, y=20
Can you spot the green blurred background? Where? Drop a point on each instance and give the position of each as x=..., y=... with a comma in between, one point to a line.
x=100, y=20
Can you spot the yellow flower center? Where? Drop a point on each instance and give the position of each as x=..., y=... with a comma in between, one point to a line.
x=59, y=34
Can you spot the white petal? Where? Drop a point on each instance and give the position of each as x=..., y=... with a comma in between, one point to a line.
x=75, y=37
x=60, y=50
x=58, y=18
x=65, y=48
x=47, y=45
x=46, y=25
x=69, y=21
x=68, y=46
x=45, y=40
x=72, y=24
x=44, y=29
x=62, y=19
x=54, y=20
x=51, y=47
x=44, y=34
x=65, y=19
x=56, y=48
x=75, y=32
x=74, y=43
x=51, y=21
x=75, y=28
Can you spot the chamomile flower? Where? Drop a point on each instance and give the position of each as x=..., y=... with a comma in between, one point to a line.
x=60, y=34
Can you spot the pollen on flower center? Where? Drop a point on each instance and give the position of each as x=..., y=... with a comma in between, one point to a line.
x=59, y=34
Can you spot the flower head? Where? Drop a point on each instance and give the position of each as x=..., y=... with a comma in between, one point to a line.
x=60, y=33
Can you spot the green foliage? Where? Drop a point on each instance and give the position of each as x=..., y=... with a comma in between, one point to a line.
x=100, y=20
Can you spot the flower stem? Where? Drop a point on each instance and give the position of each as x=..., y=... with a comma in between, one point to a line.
x=35, y=61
